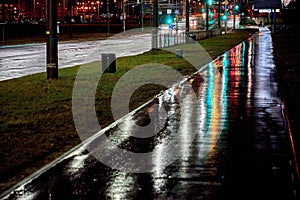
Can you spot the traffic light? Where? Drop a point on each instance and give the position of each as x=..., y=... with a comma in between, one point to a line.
x=224, y=17
x=169, y=19
x=236, y=9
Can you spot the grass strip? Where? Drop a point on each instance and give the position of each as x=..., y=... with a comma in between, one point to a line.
x=36, y=122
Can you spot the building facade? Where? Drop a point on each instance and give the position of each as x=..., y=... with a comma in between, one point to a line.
x=14, y=10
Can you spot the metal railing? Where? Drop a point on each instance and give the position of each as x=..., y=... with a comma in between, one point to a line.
x=162, y=40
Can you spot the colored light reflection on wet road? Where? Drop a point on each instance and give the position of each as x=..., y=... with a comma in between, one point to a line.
x=240, y=140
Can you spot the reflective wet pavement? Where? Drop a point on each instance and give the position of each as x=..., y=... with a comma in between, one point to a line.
x=22, y=60
x=231, y=142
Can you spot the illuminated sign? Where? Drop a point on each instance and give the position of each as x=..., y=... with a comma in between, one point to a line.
x=268, y=10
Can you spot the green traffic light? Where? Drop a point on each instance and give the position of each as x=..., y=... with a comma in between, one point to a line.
x=168, y=19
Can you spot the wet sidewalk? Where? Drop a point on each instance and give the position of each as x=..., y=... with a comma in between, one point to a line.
x=224, y=137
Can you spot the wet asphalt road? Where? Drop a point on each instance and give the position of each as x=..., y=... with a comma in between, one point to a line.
x=231, y=141
x=21, y=60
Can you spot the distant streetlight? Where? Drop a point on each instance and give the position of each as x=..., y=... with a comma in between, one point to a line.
x=98, y=2
x=108, y=15
x=155, y=24
x=124, y=16
x=219, y=14
x=187, y=13
x=208, y=3
x=63, y=8
x=70, y=8
x=234, y=14
x=124, y=4
x=142, y=15
x=155, y=14
x=206, y=16
x=34, y=15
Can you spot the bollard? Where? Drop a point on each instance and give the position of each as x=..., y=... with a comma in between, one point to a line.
x=154, y=38
x=108, y=63
x=178, y=53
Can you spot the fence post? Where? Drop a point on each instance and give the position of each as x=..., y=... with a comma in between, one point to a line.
x=154, y=38
x=160, y=41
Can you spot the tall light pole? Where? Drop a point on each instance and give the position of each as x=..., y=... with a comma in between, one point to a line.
x=124, y=16
x=187, y=16
x=108, y=15
x=70, y=8
x=219, y=14
x=34, y=15
x=63, y=8
x=206, y=8
x=234, y=14
x=98, y=2
x=155, y=13
x=142, y=13
x=155, y=25
x=52, y=40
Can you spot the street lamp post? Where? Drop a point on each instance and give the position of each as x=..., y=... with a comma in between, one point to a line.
x=142, y=13
x=52, y=40
x=108, y=15
x=98, y=2
x=34, y=15
x=155, y=13
x=70, y=8
x=226, y=26
x=155, y=25
x=63, y=8
x=219, y=14
x=187, y=18
x=124, y=16
x=234, y=14
x=206, y=17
